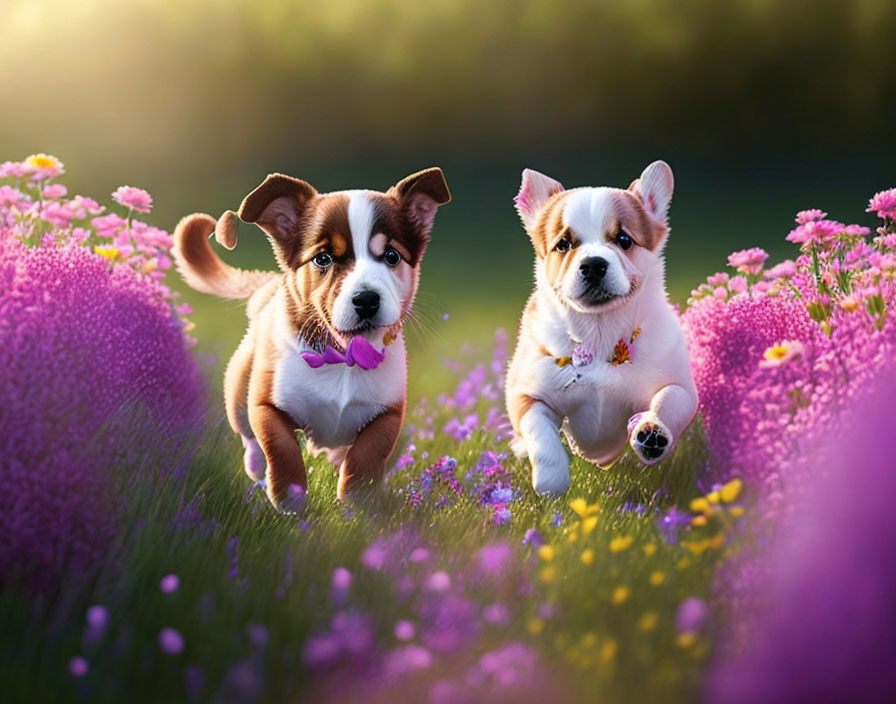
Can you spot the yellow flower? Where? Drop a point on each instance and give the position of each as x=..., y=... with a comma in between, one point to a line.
x=713, y=497
x=731, y=490
x=657, y=578
x=620, y=595
x=587, y=556
x=648, y=621
x=582, y=507
x=535, y=626
x=686, y=640
x=620, y=543
x=547, y=574
x=106, y=251
x=546, y=552
x=698, y=521
x=700, y=505
x=737, y=511
x=649, y=549
x=608, y=651
x=588, y=524
x=589, y=639
x=46, y=163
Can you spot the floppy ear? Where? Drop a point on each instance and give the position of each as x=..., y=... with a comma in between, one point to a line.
x=535, y=190
x=421, y=194
x=654, y=188
x=227, y=229
x=276, y=205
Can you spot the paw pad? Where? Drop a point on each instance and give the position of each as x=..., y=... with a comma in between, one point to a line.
x=650, y=441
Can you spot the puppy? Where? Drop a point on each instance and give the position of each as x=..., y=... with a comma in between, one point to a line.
x=600, y=352
x=324, y=351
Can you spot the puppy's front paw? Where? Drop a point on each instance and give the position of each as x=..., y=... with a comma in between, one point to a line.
x=550, y=475
x=290, y=502
x=649, y=438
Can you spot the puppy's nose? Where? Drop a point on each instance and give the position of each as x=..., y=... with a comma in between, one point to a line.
x=593, y=269
x=366, y=304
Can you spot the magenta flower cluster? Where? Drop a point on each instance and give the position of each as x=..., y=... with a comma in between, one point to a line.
x=778, y=353
x=444, y=620
x=95, y=373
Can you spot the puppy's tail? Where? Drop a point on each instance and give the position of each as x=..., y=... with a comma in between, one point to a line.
x=204, y=270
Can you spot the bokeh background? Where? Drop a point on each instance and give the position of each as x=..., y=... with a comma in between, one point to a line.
x=762, y=108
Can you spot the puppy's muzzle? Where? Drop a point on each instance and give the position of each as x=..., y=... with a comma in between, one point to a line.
x=367, y=304
x=593, y=270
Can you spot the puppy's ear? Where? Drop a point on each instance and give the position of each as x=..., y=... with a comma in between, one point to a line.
x=535, y=190
x=227, y=229
x=654, y=188
x=421, y=194
x=277, y=204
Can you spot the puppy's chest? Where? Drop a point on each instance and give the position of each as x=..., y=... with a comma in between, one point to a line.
x=334, y=402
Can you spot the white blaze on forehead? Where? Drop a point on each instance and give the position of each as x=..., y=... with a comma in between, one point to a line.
x=588, y=212
x=361, y=214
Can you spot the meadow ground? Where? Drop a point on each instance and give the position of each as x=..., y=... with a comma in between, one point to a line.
x=456, y=565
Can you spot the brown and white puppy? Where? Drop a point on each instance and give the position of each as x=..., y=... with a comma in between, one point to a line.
x=349, y=266
x=600, y=354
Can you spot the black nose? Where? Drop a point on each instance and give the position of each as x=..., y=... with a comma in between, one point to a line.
x=366, y=304
x=593, y=269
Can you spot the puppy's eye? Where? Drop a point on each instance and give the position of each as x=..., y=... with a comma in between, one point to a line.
x=564, y=245
x=624, y=240
x=323, y=260
x=391, y=257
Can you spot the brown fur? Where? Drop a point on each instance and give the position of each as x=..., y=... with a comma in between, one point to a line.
x=300, y=223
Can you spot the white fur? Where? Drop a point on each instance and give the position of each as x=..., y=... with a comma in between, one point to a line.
x=593, y=410
x=368, y=273
x=334, y=402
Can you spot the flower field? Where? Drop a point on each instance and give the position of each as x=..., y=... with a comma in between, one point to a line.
x=138, y=562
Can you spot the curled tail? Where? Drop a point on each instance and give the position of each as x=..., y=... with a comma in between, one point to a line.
x=204, y=270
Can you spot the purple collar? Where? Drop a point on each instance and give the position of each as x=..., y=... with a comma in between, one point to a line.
x=359, y=351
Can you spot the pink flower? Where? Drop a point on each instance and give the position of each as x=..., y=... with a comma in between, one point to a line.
x=133, y=198
x=108, y=225
x=13, y=169
x=748, y=261
x=719, y=279
x=785, y=269
x=55, y=190
x=807, y=216
x=884, y=204
x=738, y=284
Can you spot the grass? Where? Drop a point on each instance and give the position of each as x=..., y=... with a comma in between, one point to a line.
x=603, y=625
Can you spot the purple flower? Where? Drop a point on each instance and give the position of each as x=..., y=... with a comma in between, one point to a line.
x=94, y=376
x=170, y=583
x=78, y=666
x=493, y=559
x=533, y=538
x=820, y=628
x=340, y=583
x=404, y=630
x=691, y=615
x=171, y=641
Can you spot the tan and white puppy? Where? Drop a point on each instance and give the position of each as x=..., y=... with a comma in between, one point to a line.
x=600, y=352
x=349, y=266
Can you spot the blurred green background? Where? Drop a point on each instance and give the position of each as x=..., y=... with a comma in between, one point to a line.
x=761, y=107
